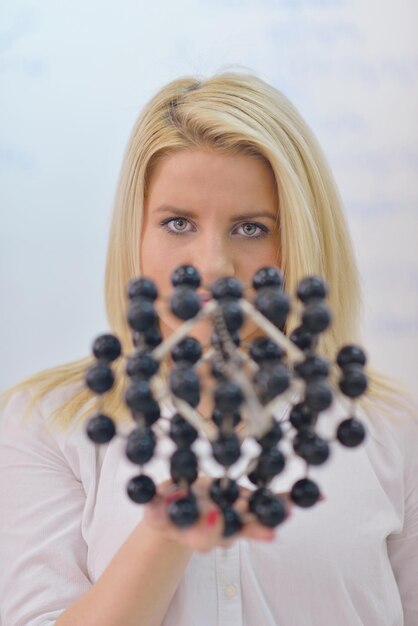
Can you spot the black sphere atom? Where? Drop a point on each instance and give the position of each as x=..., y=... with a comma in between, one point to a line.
x=264, y=349
x=312, y=448
x=271, y=437
x=188, y=349
x=232, y=522
x=140, y=446
x=258, y=480
x=316, y=317
x=226, y=287
x=271, y=381
x=185, y=383
x=99, y=378
x=353, y=382
x=107, y=348
x=224, y=493
x=181, y=432
x=141, y=489
x=351, y=432
x=312, y=367
x=312, y=288
x=184, y=512
x=183, y=466
x=185, y=303
x=302, y=338
x=228, y=396
x=141, y=315
x=152, y=337
x=256, y=496
x=305, y=493
x=270, y=510
x=270, y=463
x=186, y=275
x=142, y=365
x=232, y=313
x=268, y=277
x=273, y=304
x=139, y=396
x=226, y=449
x=150, y=413
x=301, y=416
x=142, y=288
x=100, y=428
x=351, y=355
x=318, y=395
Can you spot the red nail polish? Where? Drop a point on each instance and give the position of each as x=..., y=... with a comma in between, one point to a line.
x=212, y=517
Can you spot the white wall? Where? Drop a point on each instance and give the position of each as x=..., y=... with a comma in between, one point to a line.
x=74, y=76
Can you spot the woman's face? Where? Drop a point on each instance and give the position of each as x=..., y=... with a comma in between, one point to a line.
x=214, y=211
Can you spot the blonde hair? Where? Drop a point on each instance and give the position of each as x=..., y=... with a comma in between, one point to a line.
x=235, y=114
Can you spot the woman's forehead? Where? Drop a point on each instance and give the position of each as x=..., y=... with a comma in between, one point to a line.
x=200, y=176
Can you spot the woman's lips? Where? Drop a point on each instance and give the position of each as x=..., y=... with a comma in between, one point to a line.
x=204, y=298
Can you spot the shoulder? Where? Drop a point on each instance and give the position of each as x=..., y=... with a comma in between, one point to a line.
x=392, y=423
x=47, y=391
x=392, y=441
x=28, y=405
x=28, y=425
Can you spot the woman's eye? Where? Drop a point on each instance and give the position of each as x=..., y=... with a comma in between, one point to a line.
x=177, y=225
x=181, y=225
x=249, y=229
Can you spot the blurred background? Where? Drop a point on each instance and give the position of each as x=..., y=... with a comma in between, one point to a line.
x=73, y=78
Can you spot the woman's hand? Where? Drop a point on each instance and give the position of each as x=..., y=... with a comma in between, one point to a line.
x=207, y=532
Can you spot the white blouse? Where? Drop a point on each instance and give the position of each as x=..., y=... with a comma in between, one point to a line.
x=350, y=560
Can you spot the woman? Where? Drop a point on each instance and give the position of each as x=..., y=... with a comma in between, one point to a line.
x=222, y=174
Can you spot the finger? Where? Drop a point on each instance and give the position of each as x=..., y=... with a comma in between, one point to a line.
x=156, y=511
x=285, y=496
x=166, y=487
x=255, y=530
x=206, y=533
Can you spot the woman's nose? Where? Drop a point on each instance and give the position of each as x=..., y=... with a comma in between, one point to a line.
x=214, y=258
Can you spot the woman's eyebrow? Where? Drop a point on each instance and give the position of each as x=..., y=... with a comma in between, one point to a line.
x=167, y=208
x=255, y=214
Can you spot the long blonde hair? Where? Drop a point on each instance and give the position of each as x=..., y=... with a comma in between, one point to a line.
x=235, y=114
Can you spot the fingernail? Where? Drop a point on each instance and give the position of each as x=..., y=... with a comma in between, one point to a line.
x=172, y=497
x=212, y=517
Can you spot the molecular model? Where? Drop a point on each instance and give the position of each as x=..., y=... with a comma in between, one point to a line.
x=249, y=383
